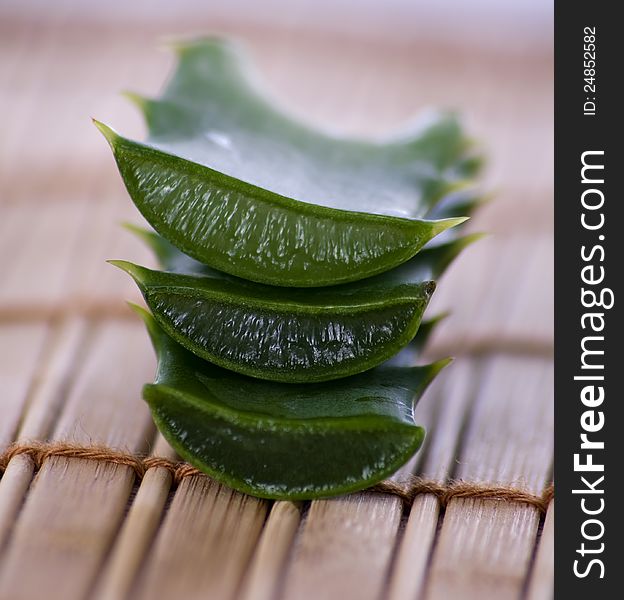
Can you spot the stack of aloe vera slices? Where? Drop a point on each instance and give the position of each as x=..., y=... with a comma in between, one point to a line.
x=296, y=268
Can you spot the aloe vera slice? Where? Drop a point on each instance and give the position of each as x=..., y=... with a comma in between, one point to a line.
x=285, y=441
x=283, y=335
x=430, y=263
x=239, y=186
x=289, y=335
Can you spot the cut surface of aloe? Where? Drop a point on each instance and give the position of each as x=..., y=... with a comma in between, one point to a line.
x=284, y=335
x=285, y=441
x=430, y=263
x=239, y=186
x=289, y=335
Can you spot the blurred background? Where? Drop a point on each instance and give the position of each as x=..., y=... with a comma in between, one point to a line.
x=481, y=22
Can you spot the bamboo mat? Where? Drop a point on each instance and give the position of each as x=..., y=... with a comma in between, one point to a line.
x=73, y=359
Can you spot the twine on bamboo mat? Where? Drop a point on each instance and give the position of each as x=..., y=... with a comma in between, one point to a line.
x=39, y=452
x=445, y=492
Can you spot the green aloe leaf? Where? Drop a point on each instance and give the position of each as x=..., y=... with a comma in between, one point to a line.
x=292, y=335
x=246, y=189
x=285, y=441
x=430, y=263
x=289, y=335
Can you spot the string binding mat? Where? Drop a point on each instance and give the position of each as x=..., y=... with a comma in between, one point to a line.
x=408, y=490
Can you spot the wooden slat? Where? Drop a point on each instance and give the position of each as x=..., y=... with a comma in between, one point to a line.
x=204, y=544
x=21, y=346
x=40, y=271
x=345, y=548
x=414, y=552
x=66, y=526
x=509, y=435
x=484, y=548
x=541, y=583
x=264, y=576
x=74, y=506
x=138, y=531
x=513, y=312
x=52, y=374
x=105, y=406
x=451, y=397
x=13, y=487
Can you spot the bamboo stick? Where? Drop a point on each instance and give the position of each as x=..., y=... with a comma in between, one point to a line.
x=55, y=374
x=46, y=397
x=13, y=487
x=104, y=406
x=541, y=581
x=484, y=548
x=74, y=506
x=20, y=346
x=503, y=318
x=65, y=527
x=138, y=531
x=264, y=575
x=204, y=544
x=345, y=548
x=48, y=234
x=410, y=568
x=134, y=538
x=451, y=397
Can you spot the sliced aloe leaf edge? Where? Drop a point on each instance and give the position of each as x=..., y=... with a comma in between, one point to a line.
x=291, y=337
x=254, y=234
